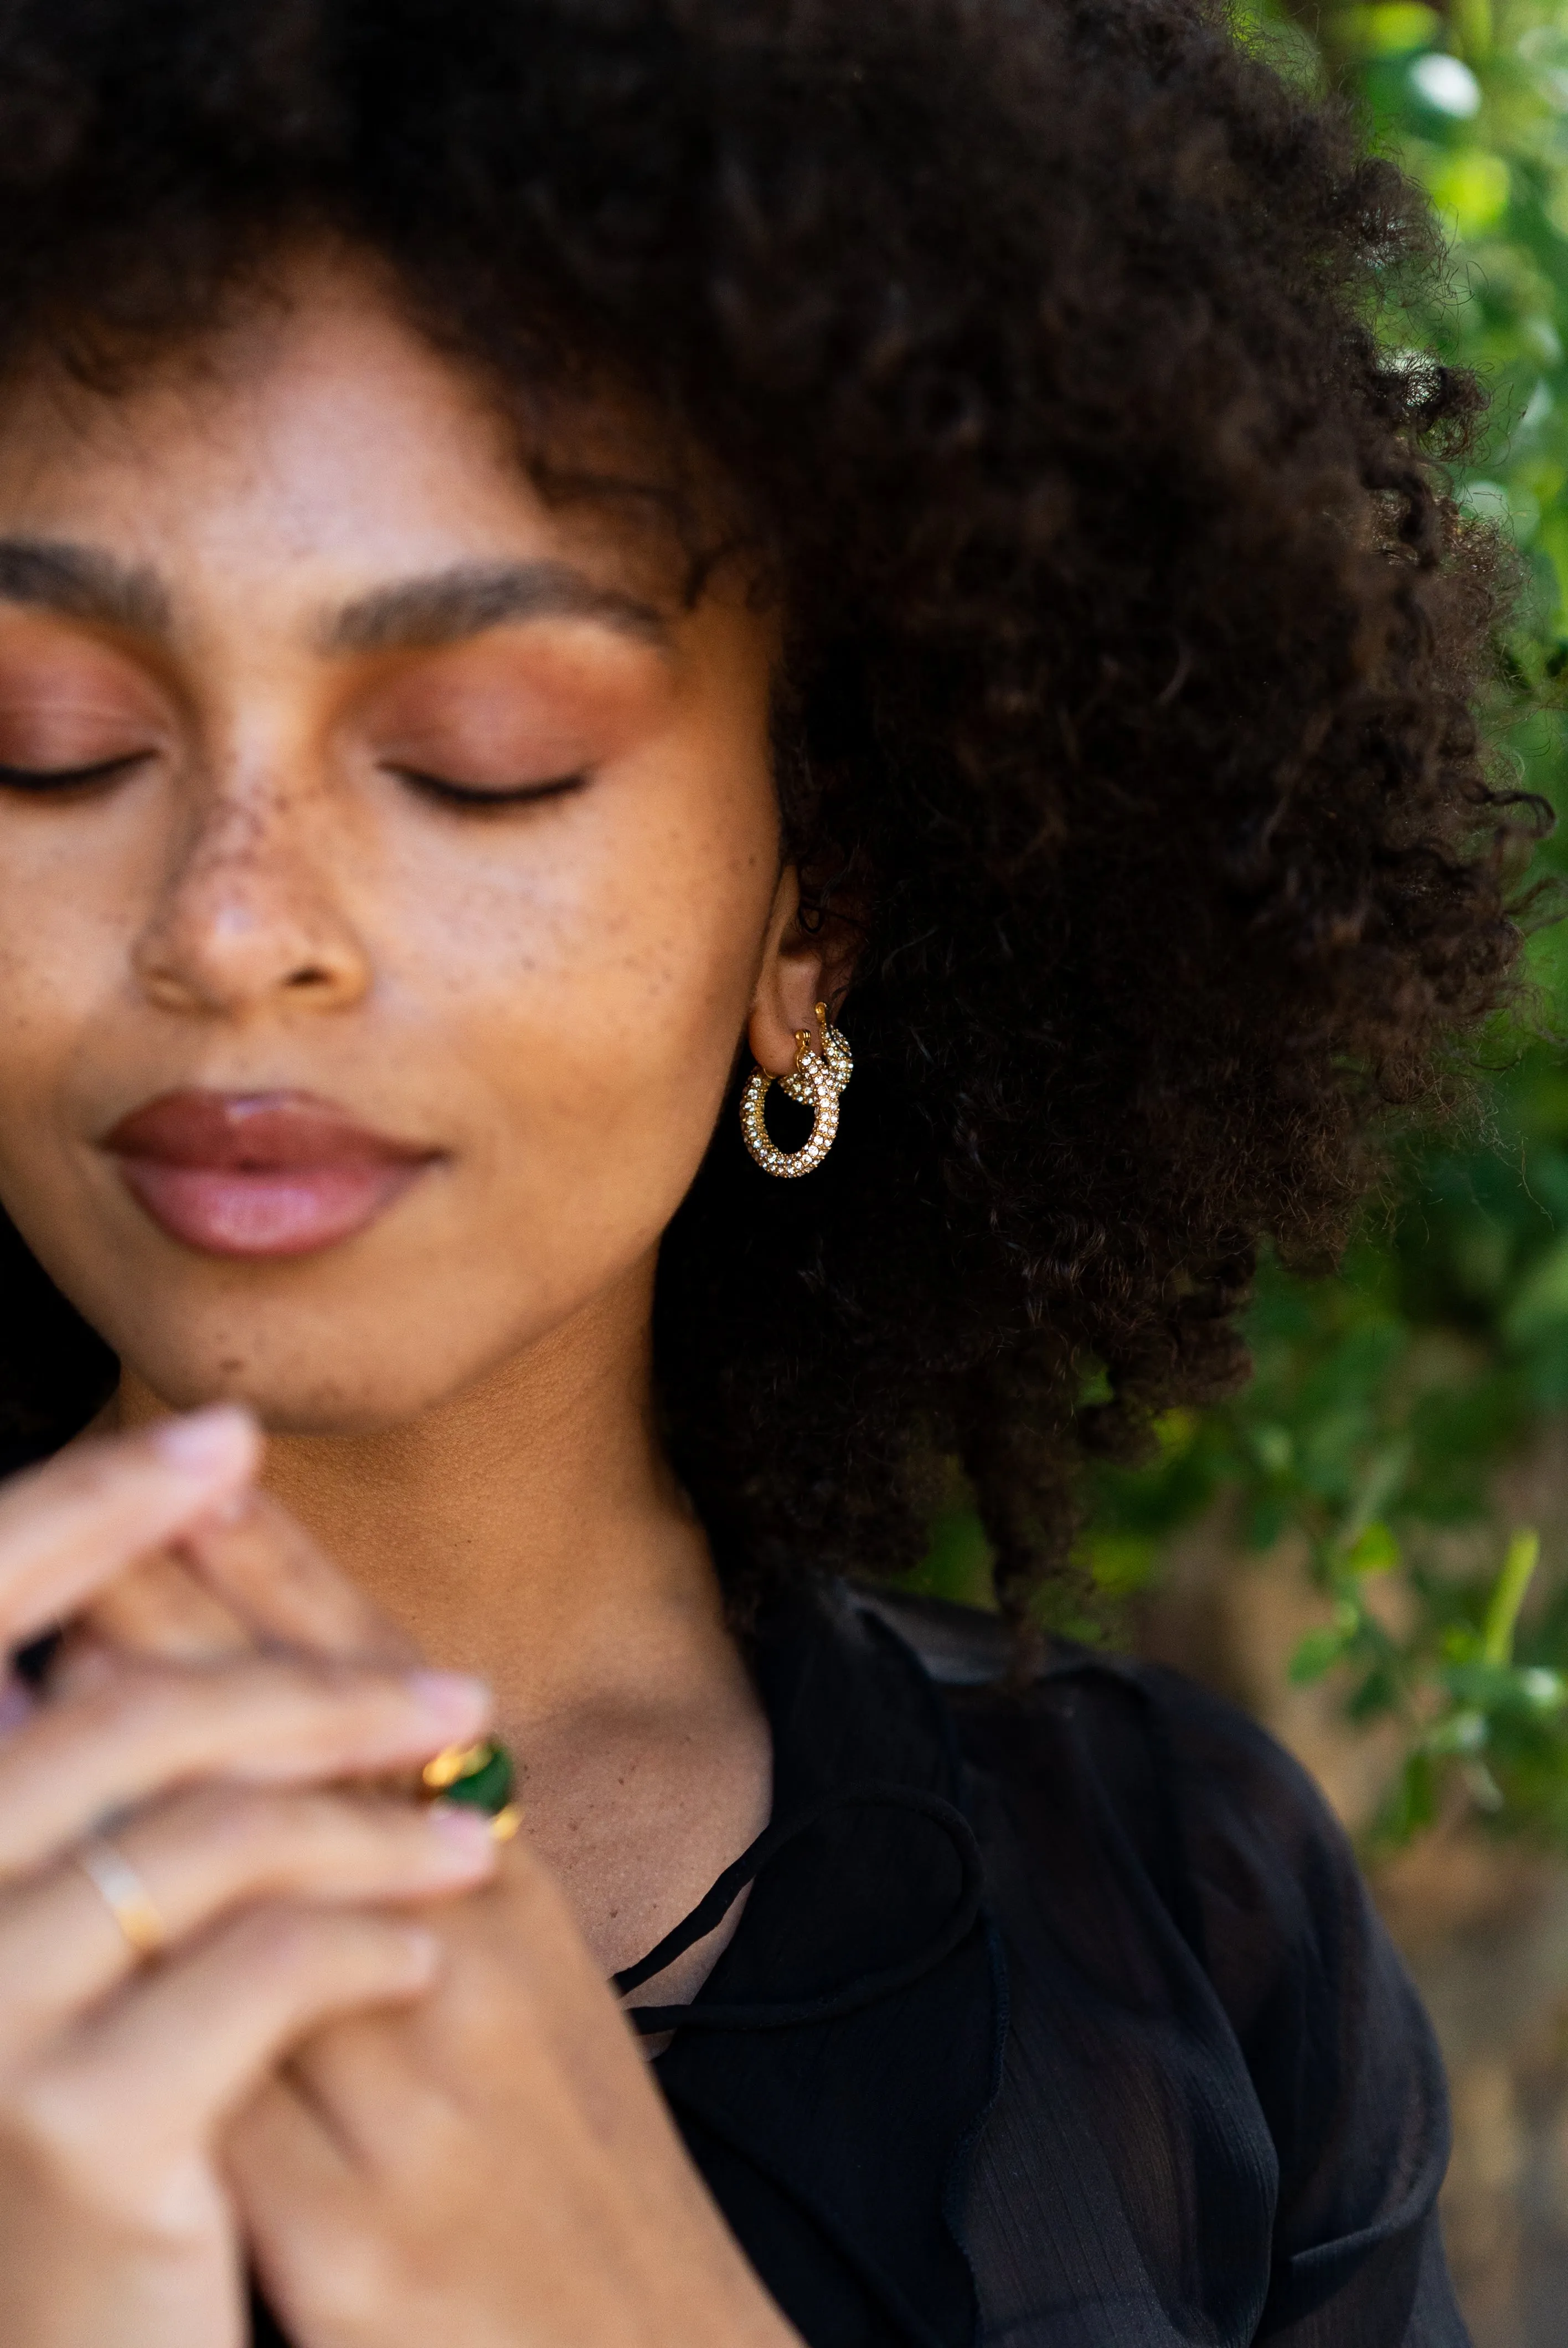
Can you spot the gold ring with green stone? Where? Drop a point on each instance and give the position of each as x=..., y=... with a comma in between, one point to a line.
x=481, y=1775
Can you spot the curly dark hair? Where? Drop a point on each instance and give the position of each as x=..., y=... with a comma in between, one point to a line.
x=1133, y=641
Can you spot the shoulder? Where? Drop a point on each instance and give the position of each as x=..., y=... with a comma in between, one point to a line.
x=1112, y=1770
x=1162, y=1830
x=1144, y=1750
x=1162, y=1839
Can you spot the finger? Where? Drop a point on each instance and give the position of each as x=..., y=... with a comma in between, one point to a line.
x=521, y=2012
x=206, y=1851
x=299, y=2191
x=186, y=2044
x=262, y=1720
x=267, y=1572
x=161, y=1607
x=69, y=1527
x=250, y=1574
x=280, y=2135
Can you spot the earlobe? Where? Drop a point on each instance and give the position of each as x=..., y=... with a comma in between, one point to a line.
x=792, y=1040
x=791, y=981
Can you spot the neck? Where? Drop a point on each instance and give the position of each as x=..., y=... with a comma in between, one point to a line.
x=527, y=1529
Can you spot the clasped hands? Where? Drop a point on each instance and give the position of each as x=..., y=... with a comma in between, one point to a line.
x=375, y=2060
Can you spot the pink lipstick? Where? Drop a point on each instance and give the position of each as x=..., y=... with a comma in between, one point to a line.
x=259, y=1174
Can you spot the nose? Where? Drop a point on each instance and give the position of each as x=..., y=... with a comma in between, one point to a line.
x=247, y=920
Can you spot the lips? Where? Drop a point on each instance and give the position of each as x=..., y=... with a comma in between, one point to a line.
x=259, y=1174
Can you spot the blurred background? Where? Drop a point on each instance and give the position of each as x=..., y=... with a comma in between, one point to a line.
x=1370, y=1547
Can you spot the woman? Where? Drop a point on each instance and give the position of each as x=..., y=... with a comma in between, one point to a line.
x=564, y=569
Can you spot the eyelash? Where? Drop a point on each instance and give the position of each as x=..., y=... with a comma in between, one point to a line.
x=437, y=786
x=37, y=782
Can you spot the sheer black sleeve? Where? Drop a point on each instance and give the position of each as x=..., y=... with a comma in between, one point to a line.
x=1335, y=2041
x=1222, y=2101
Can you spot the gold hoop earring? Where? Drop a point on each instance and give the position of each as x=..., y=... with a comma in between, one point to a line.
x=819, y=1078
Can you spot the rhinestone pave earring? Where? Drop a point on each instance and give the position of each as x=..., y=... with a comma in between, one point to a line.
x=819, y=1077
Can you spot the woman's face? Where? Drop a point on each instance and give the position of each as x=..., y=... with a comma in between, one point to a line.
x=369, y=1000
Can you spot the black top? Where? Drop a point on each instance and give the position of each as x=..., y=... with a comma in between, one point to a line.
x=1058, y=2017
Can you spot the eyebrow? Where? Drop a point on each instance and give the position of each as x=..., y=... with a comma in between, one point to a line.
x=83, y=583
x=464, y=602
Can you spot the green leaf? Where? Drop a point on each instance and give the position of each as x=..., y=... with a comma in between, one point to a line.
x=1390, y=31
x=1121, y=1563
x=1540, y=1300
x=1373, y=1551
x=1508, y=1597
x=1315, y=1653
x=1471, y=188
x=1413, y=1803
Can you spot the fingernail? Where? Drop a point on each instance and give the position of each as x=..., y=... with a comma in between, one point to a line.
x=452, y=1699
x=466, y=1829
x=207, y=1441
x=18, y=1704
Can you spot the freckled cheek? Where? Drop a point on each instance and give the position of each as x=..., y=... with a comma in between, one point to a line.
x=604, y=987
x=62, y=955
x=51, y=1010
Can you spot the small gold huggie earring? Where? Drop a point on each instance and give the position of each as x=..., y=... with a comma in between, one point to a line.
x=819, y=1077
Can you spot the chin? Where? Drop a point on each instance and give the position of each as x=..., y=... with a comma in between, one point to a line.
x=295, y=1401
x=304, y=1380
x=325, y=1347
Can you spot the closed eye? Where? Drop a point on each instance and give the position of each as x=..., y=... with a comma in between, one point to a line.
x=478, y=794
x=39, y=781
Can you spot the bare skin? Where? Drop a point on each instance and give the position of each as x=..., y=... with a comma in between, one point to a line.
x=276, y=640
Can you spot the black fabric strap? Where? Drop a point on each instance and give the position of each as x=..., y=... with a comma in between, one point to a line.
x=716, y=1903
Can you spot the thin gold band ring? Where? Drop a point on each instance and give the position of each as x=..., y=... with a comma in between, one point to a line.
x=124, y=1894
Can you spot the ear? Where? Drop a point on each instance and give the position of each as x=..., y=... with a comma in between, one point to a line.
x=800, y=969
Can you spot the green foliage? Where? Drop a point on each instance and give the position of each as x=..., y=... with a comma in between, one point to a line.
x=1385, y=1405
x=1388, y=1403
